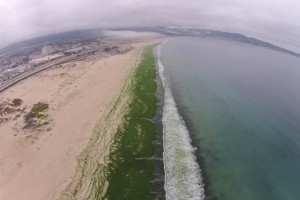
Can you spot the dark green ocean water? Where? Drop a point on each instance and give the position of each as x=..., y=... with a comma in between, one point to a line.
x=241, y=104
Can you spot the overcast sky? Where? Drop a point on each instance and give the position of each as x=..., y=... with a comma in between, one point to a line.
x=277, y=21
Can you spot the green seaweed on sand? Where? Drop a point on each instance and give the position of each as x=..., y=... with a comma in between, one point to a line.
x=131, y=169
x=116, y=164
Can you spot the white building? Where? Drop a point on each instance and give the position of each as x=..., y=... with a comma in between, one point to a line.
x=45, y=58
x=47, y=50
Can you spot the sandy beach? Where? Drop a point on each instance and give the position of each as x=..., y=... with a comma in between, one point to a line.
x=39, y=163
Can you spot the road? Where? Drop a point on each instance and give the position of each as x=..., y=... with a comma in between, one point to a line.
x=40, y=68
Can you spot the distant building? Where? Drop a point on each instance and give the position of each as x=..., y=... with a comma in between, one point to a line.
x=73, y=51
x=45, y=59
x=46, y=50
x=18, y=69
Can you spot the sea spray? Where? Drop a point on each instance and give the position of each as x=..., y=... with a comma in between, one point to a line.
x=182, y=173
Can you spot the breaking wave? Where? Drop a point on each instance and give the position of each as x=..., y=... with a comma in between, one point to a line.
x=183, y=178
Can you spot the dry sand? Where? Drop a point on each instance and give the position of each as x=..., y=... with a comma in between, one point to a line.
x=40, y=164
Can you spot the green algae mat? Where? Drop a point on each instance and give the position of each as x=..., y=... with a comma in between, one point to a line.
x=131, y=170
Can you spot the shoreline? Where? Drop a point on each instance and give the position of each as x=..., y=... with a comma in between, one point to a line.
x=96, y=171
x=132, y=167
x=79, y=187
x=43, y=160
x=183, y=176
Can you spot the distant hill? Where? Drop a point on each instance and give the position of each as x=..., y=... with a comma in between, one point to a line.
x=191, y=32
x=70, y=35
x=170, y=31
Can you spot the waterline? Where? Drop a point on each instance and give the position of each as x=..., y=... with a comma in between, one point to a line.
x=182, y=173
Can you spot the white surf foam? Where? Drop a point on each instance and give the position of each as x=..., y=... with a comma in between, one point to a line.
x=183, y=178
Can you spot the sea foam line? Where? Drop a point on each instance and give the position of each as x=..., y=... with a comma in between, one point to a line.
x=183, y=178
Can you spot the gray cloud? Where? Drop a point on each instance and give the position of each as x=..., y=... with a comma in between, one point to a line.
x=277, y=21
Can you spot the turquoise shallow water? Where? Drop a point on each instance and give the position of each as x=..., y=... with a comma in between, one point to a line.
x=242, y=107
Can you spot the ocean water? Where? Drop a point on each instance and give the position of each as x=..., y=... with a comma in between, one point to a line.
x=231, y=121
x=183, y=178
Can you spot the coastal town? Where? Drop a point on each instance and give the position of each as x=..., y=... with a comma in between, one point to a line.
x=27, y=61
